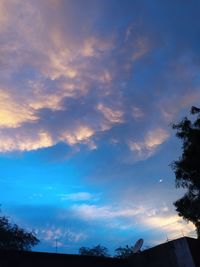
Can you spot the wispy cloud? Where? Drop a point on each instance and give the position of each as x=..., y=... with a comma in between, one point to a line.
x=12, y=113
x=170, y=224
x=94, y=212
x=152, y=140
x=52, y=233
x=25, y=142
x=79, y=196
x=61, y=238
x=113, y=116
x=152, y=219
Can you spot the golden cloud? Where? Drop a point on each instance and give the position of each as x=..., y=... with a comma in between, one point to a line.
x=82, y=133
x=25, y=143
x=148, y=146
x=93, y=46
x=112, y=115
x=13, y=114
x=155, y=138
x=171, y=225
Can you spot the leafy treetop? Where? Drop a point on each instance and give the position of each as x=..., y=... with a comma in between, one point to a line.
x=124, y=252
x=14, y=238
x=98, y=251
x=187, y=169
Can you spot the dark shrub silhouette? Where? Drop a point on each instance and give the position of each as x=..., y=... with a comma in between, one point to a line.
x=14, y=238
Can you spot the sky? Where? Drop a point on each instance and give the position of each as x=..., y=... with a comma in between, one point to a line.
x=89, y=90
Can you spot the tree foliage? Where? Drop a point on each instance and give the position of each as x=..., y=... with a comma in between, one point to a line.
x=187, y=168
x=123, y=252
x=101, y=251
x=14, y=238
x=98, y=251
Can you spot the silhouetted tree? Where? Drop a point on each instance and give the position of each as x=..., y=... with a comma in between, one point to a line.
x=99, y=251
x=123, y=252
x=14, y=238
x=187, y=169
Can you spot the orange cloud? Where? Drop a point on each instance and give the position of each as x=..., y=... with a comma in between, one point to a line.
x=13, y=114
x=112, y=115
x=25, y=143
x=148, y=146
x=171, y=225
x=94, y=46
x=82, y=133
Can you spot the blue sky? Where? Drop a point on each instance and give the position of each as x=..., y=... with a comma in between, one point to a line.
x=88, y=91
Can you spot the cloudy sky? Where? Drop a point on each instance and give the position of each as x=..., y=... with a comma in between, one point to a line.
x=88, y=91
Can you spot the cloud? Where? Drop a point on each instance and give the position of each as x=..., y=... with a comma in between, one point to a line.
x=142, y=218
x=25, y=142
x=137, y=113
x=82, y=133
x=171, y=108
x=80, y=196
x=94, y=46
x=50, y=226
x=79, y=74
x=56, y=70
x=152, y=140
x=52, y=233
x=155, y=138
x=13, y=114
x=141, y=47
x=61, y=237
x=172, y=225
x=113, y=116
x=116, y=222
x=94, y=212
x=86, y=86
